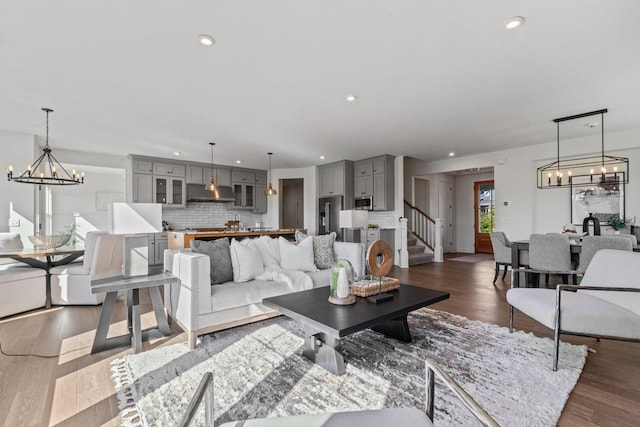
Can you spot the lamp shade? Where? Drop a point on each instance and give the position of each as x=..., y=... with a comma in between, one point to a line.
x=354, y=219
x=133, y=218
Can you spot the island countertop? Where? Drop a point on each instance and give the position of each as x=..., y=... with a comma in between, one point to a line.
x=182, y=239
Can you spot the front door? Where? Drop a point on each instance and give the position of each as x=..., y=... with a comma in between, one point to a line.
x=485, y=211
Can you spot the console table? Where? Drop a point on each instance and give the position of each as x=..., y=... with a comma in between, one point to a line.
x=112, y=285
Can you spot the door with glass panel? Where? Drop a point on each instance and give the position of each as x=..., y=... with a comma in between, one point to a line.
x=485, y=215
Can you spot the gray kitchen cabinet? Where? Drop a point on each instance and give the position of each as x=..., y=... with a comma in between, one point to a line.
x=375, y=177
x=157, y=242
x=142, y=166
x=243, y=183
x=169, y=191
x=169, y=169
x=261, y=199
x=336, y=179
x=222, y=176
x=142, y=188
x=370, y=235
x=195, y=175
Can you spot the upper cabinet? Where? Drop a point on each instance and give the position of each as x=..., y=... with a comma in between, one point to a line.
x=202, y=175
x=374, y=178
x=158, y=182
x=169, y=169
x=336, y=179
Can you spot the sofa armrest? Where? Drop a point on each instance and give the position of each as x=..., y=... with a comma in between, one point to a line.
x=353, y=252
x=192, y=297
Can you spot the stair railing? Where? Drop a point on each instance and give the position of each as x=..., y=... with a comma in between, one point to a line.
x=422, y=226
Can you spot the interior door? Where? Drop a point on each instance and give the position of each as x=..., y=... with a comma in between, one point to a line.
x=445, y=212
x=485, y=214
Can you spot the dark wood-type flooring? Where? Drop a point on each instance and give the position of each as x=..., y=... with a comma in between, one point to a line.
x=75, y=388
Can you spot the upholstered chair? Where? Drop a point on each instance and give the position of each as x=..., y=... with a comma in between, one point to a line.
x=606, y=304
x=501, y=252
x=592, y=244
x=550, y=254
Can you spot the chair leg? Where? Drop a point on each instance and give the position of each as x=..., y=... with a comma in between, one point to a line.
x=504, y=274
x=510, y=318
x=495, y=276
x=546, y=280
x=556, y=349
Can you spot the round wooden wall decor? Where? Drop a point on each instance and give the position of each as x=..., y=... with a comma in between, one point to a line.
x=379, y=248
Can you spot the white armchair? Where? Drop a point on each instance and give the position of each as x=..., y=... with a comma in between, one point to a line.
x=71, y=283
x=605, y=305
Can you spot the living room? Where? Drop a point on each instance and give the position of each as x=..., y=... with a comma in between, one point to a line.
x=429, y=79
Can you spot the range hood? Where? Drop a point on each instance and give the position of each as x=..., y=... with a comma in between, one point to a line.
x=197, y=193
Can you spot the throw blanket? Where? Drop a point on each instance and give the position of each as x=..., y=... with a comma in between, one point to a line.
x=295, y=280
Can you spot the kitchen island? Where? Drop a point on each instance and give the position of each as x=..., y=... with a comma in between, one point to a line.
x=182, y=239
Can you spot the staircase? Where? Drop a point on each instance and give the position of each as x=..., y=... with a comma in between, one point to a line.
x=416, y=253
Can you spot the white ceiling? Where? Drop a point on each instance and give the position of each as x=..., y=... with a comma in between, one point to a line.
x=431, y=76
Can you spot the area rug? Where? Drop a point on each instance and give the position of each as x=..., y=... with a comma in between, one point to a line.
x=473, y=258
x=259, y=372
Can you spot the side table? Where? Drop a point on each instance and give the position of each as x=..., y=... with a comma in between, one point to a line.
x=132, y=285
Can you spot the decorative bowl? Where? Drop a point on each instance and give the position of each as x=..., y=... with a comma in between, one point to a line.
x=49, y=242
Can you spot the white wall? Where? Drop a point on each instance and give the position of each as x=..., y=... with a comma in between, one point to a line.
x=17, y=200
x=531, y=209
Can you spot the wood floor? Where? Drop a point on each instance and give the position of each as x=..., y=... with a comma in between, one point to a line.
x=75, y=388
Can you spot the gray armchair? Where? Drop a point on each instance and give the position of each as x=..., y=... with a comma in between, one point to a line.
x=605, y=305
x=501, y=252
x=407, y=417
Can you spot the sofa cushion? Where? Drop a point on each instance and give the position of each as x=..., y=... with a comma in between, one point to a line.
x=219, y=257
x=90, y=242
x=246, y=260
x=232, y=294
x=18, y=271
x=9, y=242
x=323, y=255
x=320, y=278
x=297, y=257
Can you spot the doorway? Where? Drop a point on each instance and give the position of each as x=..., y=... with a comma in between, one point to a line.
x=292, y=203
x=485, y=214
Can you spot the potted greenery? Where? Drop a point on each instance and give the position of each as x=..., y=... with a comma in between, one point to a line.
x=618, y=223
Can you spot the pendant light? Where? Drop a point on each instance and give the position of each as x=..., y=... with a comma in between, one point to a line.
x=211, y=186
x=270, y=190
x=46, y=170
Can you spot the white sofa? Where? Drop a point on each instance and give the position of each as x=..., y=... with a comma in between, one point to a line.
x=22, y=288
x=200, y=307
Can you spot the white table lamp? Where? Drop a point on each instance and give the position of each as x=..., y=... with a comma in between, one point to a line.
x=135, y=221
x=353, y=219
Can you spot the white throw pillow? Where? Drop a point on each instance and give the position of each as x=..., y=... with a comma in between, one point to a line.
x=269, y=250
x=297, y=257
x=246, y=261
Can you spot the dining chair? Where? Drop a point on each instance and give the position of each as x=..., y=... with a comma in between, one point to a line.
x=501, y=252
x=550, y=254
x=592, y=244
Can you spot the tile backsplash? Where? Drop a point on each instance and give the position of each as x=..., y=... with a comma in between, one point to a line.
x=206, y=215
x=384, y=219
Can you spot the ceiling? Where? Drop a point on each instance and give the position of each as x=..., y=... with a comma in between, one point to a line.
x=430, y=76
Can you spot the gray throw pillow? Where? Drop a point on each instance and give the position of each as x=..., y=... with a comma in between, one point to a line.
x=323, y=255
x=219, y=256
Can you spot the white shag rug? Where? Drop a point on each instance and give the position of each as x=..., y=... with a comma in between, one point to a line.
x=259, y=372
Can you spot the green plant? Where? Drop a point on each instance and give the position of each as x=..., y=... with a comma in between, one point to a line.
x=488, y=221
x=618, y=223
x=70, y=230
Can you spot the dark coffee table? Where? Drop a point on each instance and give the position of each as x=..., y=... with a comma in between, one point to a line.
x=325, y=323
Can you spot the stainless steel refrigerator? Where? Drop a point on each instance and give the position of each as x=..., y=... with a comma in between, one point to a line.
x=329, y=213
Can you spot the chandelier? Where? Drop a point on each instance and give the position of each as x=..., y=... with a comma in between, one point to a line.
x=603, y=171
x=46, y=169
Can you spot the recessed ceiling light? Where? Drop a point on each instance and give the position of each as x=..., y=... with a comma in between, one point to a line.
x=321, y=157
x=350, y=98
x=451, y=154
x=206, y=40
x=238, y=161
x=513, y=23
x=177, y=153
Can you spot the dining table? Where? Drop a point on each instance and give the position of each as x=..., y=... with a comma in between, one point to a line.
x=45, y=259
